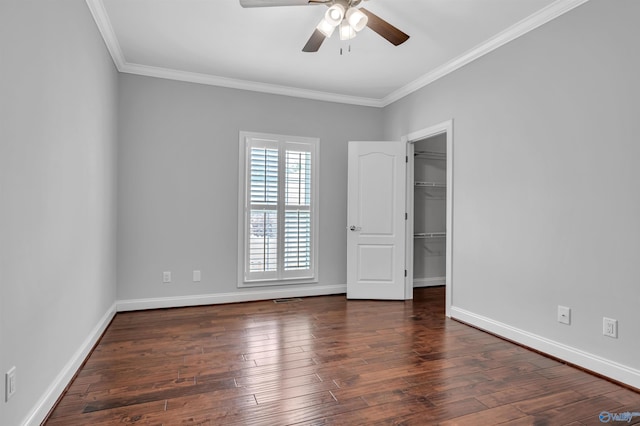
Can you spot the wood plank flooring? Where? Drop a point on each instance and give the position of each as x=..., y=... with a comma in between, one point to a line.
x=325, y=361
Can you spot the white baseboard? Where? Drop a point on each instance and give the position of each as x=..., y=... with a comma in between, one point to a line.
x=429, y=282
x=238, y=296
x=611, y=369
x=62, y=380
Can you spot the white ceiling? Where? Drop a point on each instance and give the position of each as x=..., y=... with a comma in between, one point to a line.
x=220, y=43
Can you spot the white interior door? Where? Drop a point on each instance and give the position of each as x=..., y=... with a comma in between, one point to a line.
x=376, y=220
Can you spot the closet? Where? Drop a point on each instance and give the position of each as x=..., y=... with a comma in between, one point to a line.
x=430, y=211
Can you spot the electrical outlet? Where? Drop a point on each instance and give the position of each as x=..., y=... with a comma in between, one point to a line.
x=564, y=315
x=197, y=276
x=610, y=327
x=166, y=277
x=10, y=383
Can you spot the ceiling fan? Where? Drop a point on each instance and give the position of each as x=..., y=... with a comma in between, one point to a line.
x=341, y=14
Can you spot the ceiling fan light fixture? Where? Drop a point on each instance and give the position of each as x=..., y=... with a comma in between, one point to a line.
x=326, y=28
x=346, y=31
x=357, y=20
x=334, y=14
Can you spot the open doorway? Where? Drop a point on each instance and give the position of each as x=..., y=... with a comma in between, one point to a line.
x=429, y=196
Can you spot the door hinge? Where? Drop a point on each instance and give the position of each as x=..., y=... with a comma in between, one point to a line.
x=405, y=272
x=406, y=158
x=406, y=216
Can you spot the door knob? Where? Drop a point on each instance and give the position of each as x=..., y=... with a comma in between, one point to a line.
x=354, y=228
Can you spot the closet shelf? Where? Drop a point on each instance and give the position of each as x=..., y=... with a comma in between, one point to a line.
x=430, y=235
x=431, y=184
x=432, y=155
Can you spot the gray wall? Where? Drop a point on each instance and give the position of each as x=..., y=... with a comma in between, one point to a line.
x=546, y=180
x=178, y=180
x=57, y=191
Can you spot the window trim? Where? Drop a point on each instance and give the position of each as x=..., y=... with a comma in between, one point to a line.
x=282, y=277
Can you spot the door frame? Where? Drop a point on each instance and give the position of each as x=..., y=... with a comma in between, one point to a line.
x=445, y=127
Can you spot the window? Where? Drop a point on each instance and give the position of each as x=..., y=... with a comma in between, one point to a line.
x=278, y=209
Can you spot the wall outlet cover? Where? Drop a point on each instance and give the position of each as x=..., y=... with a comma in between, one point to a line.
x=564, y=315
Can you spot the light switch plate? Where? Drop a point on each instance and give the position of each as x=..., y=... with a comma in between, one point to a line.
x=610, y=327
x=10, y=383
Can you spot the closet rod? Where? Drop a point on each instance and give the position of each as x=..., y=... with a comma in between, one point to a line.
x=432, y=184
x=431, y=154
x=430, y=235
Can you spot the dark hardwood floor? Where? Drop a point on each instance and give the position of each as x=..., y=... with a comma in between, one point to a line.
x=325, y=361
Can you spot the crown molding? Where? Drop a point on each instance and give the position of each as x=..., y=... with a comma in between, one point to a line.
x=552, y=11
x=100, y=16
x=212, y=80
x=544, y=15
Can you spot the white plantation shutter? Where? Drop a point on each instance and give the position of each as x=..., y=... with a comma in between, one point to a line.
x=263, y=213
x=297, y=216
x=278, y=199
x=297, y=240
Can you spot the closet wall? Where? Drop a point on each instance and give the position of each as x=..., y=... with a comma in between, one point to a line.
x=430, y=211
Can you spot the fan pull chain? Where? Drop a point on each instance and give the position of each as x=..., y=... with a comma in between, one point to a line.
x=348, y=50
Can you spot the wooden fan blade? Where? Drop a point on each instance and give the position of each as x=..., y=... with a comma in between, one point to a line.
x=314, y=42
x=385, y=29
x=269, y=3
